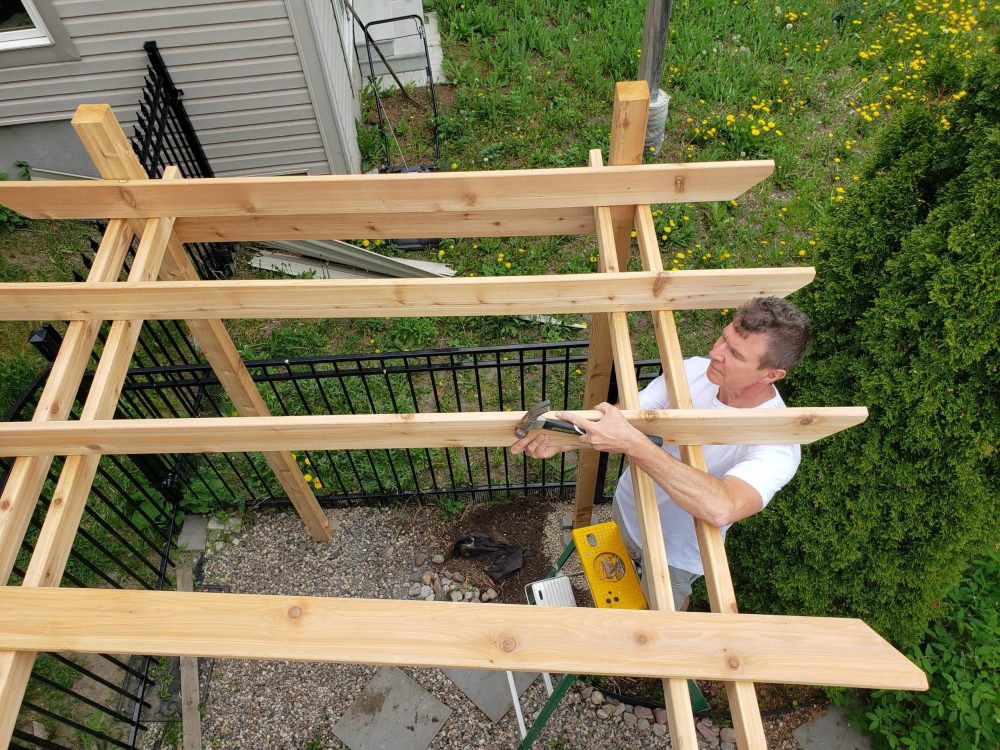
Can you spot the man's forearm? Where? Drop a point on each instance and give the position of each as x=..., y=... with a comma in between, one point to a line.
x=700, y=494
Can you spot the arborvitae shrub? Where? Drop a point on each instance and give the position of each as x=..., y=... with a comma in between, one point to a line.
x=882, y=519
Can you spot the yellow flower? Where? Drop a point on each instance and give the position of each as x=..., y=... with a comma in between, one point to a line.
x=440, y=253
x=521, y=250
x=365, y=243
x=308, y=477
x=506, y=265
x=454, y=165
x=307, y=462
x=754, y=131
x=318, y=484
x=802, y=252
x=633, y=233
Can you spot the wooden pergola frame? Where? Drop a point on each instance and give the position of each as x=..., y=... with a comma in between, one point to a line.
x=608, y=201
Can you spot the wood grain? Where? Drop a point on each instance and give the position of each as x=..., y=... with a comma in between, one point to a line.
x=429, y=192
x=421, y=297
x=806, y=650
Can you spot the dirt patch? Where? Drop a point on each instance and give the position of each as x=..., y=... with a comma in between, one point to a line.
x=518, y=522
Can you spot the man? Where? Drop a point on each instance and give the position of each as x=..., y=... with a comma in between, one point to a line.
x=767, y=337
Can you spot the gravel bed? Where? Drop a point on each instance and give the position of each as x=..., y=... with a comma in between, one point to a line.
x=373, y=554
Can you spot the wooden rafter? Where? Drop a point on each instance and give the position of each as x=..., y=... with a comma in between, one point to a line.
x=430, y=430
x=330, y=195
x=811, y=650
x=316, y=298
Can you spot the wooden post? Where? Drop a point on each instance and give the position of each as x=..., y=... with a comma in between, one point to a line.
x=628, y=134
x=742, y=696
x=677, y=699
x=104, y=140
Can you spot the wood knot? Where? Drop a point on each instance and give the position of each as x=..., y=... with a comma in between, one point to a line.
x=57, y=500
x=407, y=417
x=679, y=184
x=733, y=662
x=508, y=644
x=807, y=419
x=642, y=639
x=94, y=447
x=5, y=505
x=295, y=613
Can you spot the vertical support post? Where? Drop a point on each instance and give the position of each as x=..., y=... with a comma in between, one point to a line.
x=676, y=696
x=107, y=145
x=722, y=596
x=628, y=132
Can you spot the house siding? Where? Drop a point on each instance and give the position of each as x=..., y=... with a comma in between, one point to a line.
x=244, y=75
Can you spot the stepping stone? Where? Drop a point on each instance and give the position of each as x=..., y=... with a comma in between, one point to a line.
x=489, y=690
x=193, y=533
x=393, y=712
x=830, y=732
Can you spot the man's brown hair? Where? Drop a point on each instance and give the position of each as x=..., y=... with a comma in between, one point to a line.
x=786, y=328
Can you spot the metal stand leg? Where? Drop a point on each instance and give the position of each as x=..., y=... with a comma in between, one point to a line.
x=546, y=713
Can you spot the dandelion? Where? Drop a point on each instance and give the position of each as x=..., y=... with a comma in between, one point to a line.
x=521, y=250
x=593, y=258
x=633, y=233
x=307, y=462
x=507, y=265
x=754, y=131
x=365, y=243
x=578, y=371
x=802, y=252
x=441, y=253
x=318, y=484
x=454, y=165
x=308, y=477
x=499, y=257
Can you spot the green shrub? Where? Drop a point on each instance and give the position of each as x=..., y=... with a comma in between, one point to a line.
x=882, y=519
x=961, y=655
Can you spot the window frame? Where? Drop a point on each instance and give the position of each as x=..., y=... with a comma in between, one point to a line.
x=48, y=41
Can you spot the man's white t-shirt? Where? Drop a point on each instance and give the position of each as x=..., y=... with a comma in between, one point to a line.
x=766, y=468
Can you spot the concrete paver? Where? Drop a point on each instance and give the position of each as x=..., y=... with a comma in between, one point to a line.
x=489, y=690
x=831, y=732
x=393, y=712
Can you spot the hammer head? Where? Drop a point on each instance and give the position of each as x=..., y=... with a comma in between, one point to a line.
x=530, y=418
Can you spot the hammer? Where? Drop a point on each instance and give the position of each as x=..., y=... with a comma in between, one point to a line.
x=533, y=420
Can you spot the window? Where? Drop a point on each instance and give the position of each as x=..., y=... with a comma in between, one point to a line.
x=32, y=33
x=21, y=26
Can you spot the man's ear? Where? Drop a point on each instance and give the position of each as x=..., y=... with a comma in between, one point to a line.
x=774, y=375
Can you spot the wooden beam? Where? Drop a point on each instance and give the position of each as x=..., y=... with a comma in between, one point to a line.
x=449, y=430
x=742, y=696
x=796, y=650
x=27, y=476
x=376, y=224
x=433, y=192
x=62, y=520
x=423, y=297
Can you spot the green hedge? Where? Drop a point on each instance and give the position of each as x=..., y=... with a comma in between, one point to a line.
x=882, y=520
x=961, y=655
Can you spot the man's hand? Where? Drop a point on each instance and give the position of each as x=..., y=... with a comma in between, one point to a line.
x=611, y=433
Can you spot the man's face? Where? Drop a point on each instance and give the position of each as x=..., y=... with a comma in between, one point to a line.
x=736, y=360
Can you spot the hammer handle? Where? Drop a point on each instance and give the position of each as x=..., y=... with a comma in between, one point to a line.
x=557, y=425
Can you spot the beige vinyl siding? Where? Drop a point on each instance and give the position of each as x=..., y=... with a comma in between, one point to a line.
x=237, y=62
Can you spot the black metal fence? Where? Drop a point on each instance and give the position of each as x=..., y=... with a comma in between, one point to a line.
x=511, y=378
x=164, y=136
x=124, y=541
